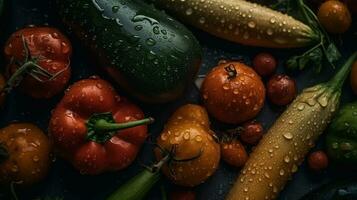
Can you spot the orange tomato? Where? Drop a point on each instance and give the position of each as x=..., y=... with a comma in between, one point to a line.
x=233, y=92
x=334, y=16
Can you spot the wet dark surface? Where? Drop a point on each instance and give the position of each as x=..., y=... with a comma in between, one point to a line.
x=65, y=182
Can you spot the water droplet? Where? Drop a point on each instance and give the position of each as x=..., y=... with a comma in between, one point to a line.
x=189, y=11
x=266, y=175
x=138, y=27
x=225, y=87
x=150, y=42
x=35, y=159
x=198, y=138
x=251, y=24
x=288, y=136
x=287, y=159
x=294, y=168
x=272, y=20
x=270, y=31
x=202, y=20
x=187, y=136
x=245, y=189
x=156, y=30
x=282, y=172
x=115, y=9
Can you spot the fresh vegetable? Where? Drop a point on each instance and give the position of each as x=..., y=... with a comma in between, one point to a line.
x=150, y=55
x=338, y=190
x=233, y=152
x=2, y=86
x=251, y=132
x=243, y=22
x=353, y=78
x=182, y=195
x=38, y=60
x=251, y=24
x=282, y=149
x=318, y=161
x=341, y=139
x=95, y=129
x=281, y=90
x=24, y=154
x=264, y=64
x=233, y=93
x=138, y=186
x=334, y=16
x=196, y=154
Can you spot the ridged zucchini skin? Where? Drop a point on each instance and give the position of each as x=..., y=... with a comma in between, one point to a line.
x=242, y=22
x=149, y=54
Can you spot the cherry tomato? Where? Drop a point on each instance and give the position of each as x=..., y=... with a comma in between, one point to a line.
x=47, y=52
x=334, y=16
x=2, y=93
x=264, y=64
x=353, y=77
x=318, y=161
x=233, y=152
x=182, y=195
x=233, y=92
x=281, y=90
x=24, y=154
x=252, y=132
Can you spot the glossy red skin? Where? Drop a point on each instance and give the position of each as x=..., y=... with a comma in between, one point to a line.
x=182, y=195
x=318, y=161
x=54, y=50
x=252, y=132
x=233, y=100
x=281, y=90
x=234, y=153
x=68, y=130
x=264, y=64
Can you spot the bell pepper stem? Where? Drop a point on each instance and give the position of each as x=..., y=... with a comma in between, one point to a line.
x=103, y=125
x=4, y=154
x=337, y=81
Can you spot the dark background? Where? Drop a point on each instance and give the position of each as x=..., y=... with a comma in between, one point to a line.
x=64, y=181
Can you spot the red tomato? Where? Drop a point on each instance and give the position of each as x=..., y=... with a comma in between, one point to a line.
x=281, y=90
x=182, y=195
x=233, y=92
x=233, y=152
x=252, y=132
x=87, y=127
x=49, y=52
x=318, y=161
x=264, y=64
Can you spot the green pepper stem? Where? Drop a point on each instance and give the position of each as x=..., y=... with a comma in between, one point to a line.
x=103, y=125
x=4, y=154
x=337, y=81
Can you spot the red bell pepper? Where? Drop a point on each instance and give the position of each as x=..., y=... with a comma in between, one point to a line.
x=95, y=129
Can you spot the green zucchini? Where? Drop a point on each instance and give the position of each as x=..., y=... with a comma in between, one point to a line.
x=242, y=22
x=150, y=55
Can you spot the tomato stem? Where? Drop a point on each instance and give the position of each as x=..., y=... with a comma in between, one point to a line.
x=103, y=125
x=231, y=70
x=4, y=154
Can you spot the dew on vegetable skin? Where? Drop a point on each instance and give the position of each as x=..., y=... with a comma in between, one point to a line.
x=251, y=24
x=294, y=168
x=115, y=9
x=272, y=20
x=35, y=159
x=189, y=11
x=202, y=20
x=266, y=175
x=150, y=42
x=245, y=189
x=198, y=138
x=287, y=159
x=156, y=30
x=288, y=135
x=282, y=172
x=270, y=31
x=138, y=27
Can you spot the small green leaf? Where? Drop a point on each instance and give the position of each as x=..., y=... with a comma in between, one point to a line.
x=332, y=53
x=292, y=63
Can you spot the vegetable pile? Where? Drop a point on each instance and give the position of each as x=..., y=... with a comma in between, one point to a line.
x=153, y=60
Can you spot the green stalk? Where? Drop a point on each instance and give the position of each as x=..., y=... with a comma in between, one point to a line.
x=137, y=187
x=103, y=125
x=337, y=81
